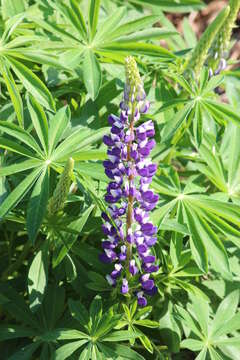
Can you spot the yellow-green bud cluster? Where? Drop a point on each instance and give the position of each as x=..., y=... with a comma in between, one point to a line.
x=220, y=46
x=200, y=52
x=134, y=85
x=56, y=203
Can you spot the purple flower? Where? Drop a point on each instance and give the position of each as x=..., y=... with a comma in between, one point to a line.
x=129, y=195
x=124, y=288
x=142, y=301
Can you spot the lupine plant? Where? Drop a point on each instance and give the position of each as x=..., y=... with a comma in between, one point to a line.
x=119, y=181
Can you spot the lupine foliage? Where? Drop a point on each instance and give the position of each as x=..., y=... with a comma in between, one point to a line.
x=120, y=241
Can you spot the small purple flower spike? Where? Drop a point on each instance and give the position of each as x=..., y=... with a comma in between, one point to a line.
x=128, y=193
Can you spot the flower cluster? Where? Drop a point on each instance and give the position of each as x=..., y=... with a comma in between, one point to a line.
x=131, y=234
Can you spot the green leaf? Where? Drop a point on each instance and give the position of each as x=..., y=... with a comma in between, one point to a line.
x=18, y=193
x=121, y=335
x=16, y=168
x=76, y=225
x=196, y=241
x=54, y=304
x=95, y=312
x=217, y=253
x=39, y=121
x=37, y=278
x=72, y=57
x=233, y=341
x=13, y=91
x=147, y=323
x=146, y=343
x=175, y=122
x=92, y=75
x=198, y=125
x=121, y=351
x=228, y=211
x=132, y=27
x=189, y=321
x=14, y=332
x=76, y=141
x=224, y=111
x=200, y=309
x=149, y=34
x=26, y=352
x=137, y=48
x=58, y=124
x=78, y=13
x=172, y=5
x=63, y=352
x=227, y=327
x=110, y=23
x=93, y=12
x=32, y=83
x=37, y=205
x=234, y=161
x=79, y=312
x=15, y=147
x=16, y=306
x=73, y=16
x=225, y=311
x=64, y=334
x=192, y=344
x=89, y=155
x=20, y=134
x=11, y=8
x=202, y=354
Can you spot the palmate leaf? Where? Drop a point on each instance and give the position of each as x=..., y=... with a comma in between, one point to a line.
x=196, y=319
x=203, y=216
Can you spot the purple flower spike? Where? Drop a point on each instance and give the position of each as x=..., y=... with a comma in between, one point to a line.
x=129, y=195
